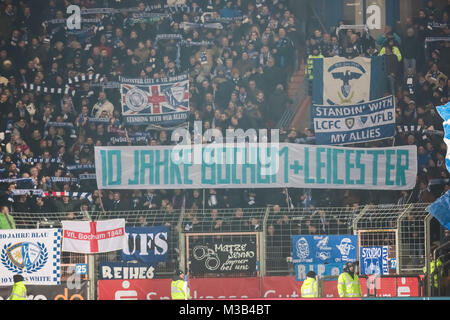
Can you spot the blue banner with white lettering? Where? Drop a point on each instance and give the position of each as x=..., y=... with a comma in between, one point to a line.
x=321, y=270
x=324, y=249
x=374, y=260
x=342, y=81
x=363, y=122
x=146, y=244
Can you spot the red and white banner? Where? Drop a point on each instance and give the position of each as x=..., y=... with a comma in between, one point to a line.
x=243, y=288
x=94, y=236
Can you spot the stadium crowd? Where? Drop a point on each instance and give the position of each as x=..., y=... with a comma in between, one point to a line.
x=238, y=76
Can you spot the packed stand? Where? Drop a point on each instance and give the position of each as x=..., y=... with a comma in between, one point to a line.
x=418, y=79
x=52, y=117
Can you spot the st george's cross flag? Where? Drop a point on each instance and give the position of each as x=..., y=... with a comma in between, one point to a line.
x=94, y=236
x=440, y=209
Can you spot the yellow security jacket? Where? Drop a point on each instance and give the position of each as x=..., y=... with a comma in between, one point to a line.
x=19, y=291
x=432, y=270
x=309, y=288
x=178, y=290
x=348, y=287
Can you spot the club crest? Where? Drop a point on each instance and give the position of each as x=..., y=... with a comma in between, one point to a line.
x=350, y=122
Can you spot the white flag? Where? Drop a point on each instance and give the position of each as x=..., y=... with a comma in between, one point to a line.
x=94, y=236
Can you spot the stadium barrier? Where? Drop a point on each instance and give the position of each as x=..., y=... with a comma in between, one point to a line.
x=404, y=229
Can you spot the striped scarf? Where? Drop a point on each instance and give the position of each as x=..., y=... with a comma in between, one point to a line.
x=185, y=9
x=26, y=192
x=89, y=77
x=191, y=25
x=81, y=195
x=68, y=125
x=419, y=130
x=14, y=180
x=78, y=167
x=44, y=89
x=40, y=160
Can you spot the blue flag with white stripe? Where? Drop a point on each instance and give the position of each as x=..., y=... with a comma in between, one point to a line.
x=440, y=209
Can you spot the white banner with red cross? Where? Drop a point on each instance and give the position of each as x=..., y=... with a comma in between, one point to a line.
x=94, y=236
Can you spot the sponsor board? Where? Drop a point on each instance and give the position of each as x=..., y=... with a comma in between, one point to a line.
x=56, y=292
x=241, y=288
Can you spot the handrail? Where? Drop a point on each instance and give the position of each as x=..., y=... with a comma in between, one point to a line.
x=438, y=248
x=317, y=16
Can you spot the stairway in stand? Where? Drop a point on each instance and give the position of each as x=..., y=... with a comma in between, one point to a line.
x=301, y=118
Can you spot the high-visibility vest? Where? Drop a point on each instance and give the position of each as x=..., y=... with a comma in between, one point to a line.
x=309, y=288
x=432, y=270
x=310, y=64
x=348, y=287
x=395, y=50
x=19, y=291
x=178, y=291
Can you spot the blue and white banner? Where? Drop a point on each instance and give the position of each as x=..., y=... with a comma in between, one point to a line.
x=374, y=260
x=146, y=244
x=321, y=269
x=33, y=253
x=440, y=209
x=162, y=102
x=279, y=166
x=363, y=122
x=342, y=81
x=444, y=112
x=125, y=271
x=324, y=249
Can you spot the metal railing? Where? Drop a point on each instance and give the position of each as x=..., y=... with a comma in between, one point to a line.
x=404, y=228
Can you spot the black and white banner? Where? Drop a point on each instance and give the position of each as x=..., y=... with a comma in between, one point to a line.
x=223, y=256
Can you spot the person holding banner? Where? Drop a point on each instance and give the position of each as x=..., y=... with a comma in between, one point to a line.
x=348, y=282
x=178, y=287
x=309, y=287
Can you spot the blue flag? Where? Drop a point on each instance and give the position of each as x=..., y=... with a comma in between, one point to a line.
x=444, y=112
x=440, y=209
